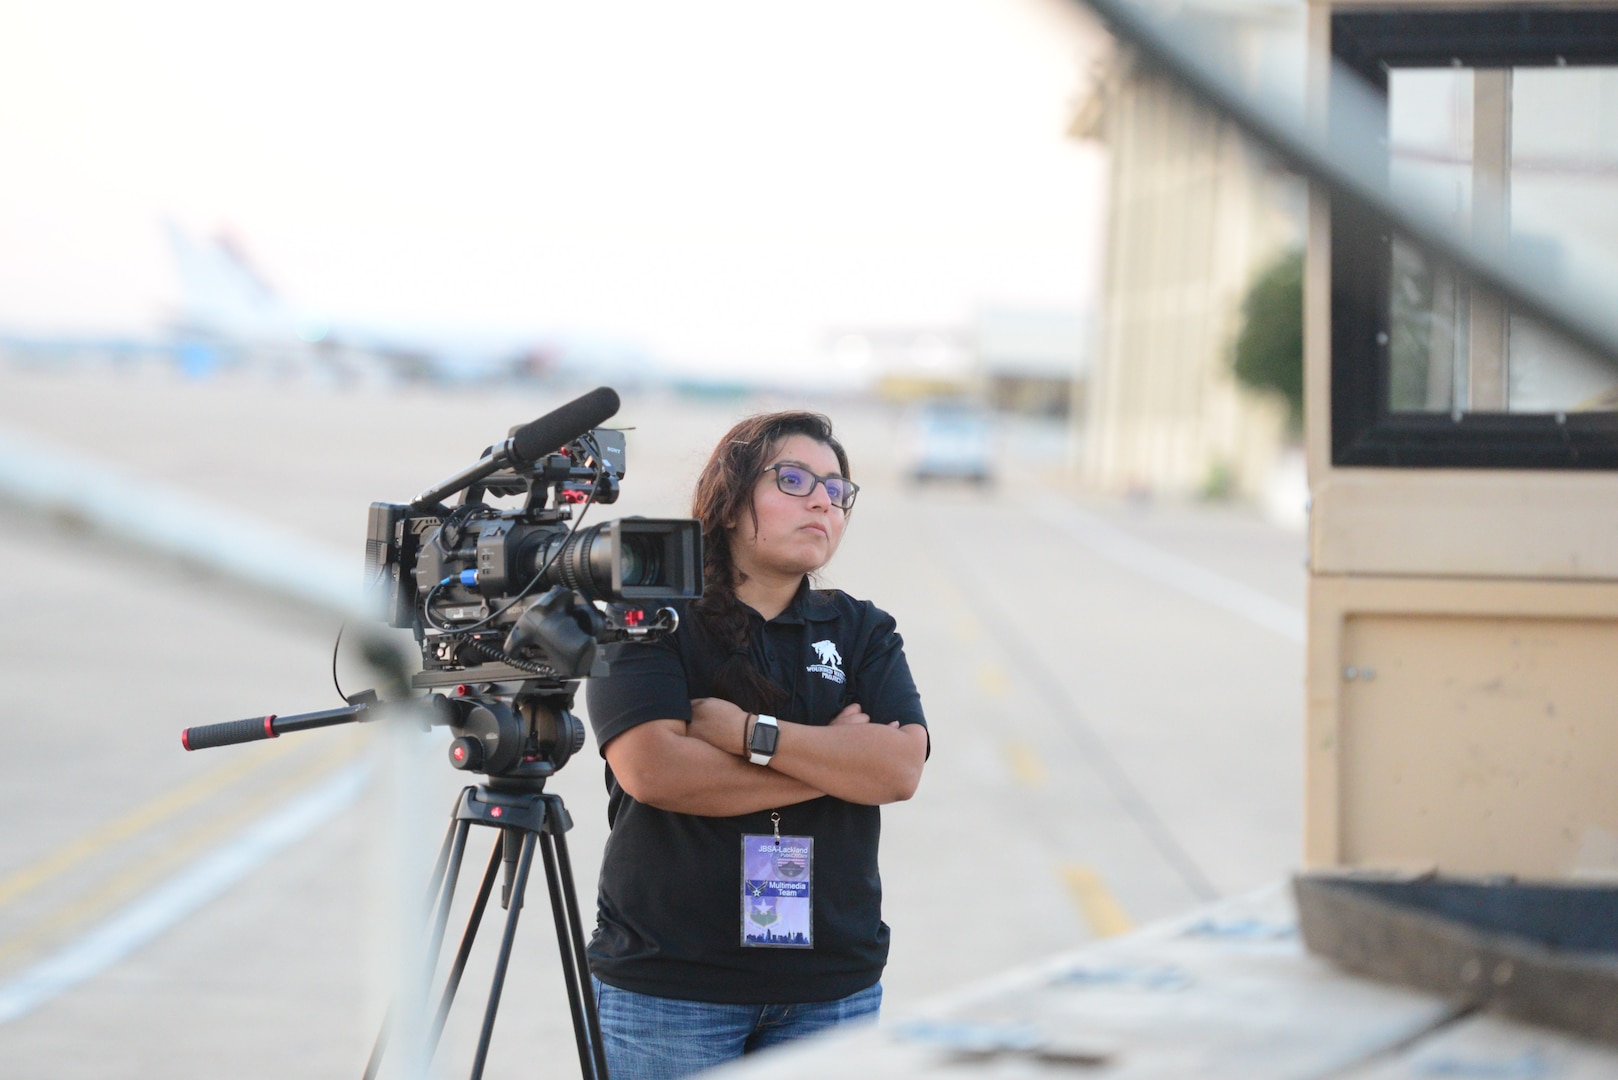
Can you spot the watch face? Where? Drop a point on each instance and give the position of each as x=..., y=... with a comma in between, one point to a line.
x=764, y=737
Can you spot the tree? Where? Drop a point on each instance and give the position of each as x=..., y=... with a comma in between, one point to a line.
x=1269, y=351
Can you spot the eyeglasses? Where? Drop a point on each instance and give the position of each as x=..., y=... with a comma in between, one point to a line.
x=799, y=481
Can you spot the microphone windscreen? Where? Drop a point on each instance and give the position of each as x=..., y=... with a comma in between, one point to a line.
x=561, y=426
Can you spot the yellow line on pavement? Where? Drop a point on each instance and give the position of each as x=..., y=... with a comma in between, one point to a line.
x=133, y=823
x=1096, y=902
x=949, y=597
x=992, y=680
x=149, y=870
x=1025, y=764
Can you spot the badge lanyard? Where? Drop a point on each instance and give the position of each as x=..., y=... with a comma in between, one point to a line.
x=778, y=890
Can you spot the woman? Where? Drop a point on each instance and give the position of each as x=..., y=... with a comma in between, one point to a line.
x=747, y=756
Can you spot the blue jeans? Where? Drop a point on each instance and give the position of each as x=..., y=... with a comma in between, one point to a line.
x=656, y=1038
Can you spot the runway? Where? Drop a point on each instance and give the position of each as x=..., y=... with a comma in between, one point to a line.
x=1114, y=690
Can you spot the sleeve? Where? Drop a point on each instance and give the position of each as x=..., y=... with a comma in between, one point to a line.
x=885, y=688
x=646, y=682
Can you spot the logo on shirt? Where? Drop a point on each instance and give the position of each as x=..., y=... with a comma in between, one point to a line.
x=831, y=662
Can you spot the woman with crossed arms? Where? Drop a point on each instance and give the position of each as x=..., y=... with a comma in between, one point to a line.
x=747, y=757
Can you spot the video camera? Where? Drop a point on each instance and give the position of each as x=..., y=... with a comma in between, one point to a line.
x=511, y=593
x=509, y=604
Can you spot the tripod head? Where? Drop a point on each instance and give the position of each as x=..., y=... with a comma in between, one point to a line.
x=518, y=738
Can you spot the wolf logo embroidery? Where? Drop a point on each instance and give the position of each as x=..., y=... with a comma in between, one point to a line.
x=831, y=662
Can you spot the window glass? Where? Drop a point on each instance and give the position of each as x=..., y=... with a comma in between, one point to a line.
x=1524, y=157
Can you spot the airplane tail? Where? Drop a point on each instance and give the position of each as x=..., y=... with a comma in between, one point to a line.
x=223, y=292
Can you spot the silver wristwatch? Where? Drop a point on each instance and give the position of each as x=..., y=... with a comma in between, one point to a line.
x=761, y=747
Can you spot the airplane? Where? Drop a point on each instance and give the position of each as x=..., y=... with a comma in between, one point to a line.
x=230, y=317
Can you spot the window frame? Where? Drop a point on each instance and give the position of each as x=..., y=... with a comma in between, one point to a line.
x=1364, y=429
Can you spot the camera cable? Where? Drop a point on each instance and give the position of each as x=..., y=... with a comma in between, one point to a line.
x=458, y=516
x=464, y=632
x=334, y=647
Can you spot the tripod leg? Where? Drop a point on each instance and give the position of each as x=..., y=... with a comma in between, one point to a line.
x=447, y=883
x=514, y=909
x=453, y=981
x=444, y=853
x=440, y=893
x=575, y=968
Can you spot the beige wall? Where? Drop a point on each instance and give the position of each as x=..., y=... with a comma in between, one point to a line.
x=1463, y=724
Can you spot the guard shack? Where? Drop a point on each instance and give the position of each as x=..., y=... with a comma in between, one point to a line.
x=1463, y=460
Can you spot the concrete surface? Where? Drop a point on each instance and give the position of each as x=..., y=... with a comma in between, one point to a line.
x=1110, y=747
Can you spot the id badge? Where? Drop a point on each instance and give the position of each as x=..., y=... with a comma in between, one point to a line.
x=778, y=874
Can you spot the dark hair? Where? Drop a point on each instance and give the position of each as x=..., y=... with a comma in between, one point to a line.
x=724, y=491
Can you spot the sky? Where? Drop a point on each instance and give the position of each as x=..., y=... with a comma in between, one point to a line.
x=720, y=183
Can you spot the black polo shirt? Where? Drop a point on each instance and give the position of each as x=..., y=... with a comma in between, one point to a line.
x=669, y=906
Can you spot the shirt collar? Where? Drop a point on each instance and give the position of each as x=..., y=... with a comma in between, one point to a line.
x=808, y=605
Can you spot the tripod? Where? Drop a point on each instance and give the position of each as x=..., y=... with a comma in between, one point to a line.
x=518, y=740
x=526, y=817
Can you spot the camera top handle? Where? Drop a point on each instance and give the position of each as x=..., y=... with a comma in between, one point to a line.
x=530, y=442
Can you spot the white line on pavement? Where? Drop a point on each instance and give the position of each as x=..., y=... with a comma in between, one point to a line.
x=1171, y=570
x=157, y=911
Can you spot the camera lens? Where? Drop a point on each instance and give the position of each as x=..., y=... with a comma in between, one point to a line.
x=641, y=560
x=586, y=563
x=628, y=559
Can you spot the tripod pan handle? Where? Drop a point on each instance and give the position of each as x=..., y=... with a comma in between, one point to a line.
x=232, y=731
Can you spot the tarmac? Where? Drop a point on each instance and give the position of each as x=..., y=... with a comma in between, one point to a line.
x=1114, y=688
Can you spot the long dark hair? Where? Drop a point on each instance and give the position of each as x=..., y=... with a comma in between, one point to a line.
x=723, y=493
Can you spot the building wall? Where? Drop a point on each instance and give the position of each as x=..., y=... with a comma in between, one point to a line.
x=1194, y=217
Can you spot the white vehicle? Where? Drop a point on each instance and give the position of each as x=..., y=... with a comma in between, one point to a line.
x=949, y=440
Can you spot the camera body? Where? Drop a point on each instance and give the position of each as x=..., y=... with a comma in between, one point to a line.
x=500, y=593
